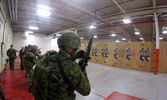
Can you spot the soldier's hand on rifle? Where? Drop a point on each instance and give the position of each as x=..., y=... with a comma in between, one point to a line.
x=82, y=65
x=80, y=54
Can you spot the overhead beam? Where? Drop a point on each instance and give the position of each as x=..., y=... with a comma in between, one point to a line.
x=119, y=6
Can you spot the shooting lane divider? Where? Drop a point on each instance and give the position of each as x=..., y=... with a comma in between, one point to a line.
x=157, y=43
x=156, y=62
x=98, y=95
x=95, y=73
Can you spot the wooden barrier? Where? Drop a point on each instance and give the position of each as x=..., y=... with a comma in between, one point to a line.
x=130, y=55
x=163, y=57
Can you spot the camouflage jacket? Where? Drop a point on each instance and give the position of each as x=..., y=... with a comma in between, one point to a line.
x=49, y=84
x=21, y=53
x=30, y=59
x=11, y=53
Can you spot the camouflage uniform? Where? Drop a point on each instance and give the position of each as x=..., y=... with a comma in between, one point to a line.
x=21, y=53
x=30, y=60
x=11, y=53
x=49, y=83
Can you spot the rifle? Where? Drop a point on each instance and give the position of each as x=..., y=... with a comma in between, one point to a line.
x=84, y=62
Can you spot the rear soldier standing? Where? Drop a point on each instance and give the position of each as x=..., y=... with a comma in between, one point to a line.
x=57, y=76
x=30, y=60
x=21, y=53
x=11, y=53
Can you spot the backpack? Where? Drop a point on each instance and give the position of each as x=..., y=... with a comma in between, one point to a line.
x=40, y=75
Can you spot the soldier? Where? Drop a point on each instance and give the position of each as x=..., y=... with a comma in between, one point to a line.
x=57, y=76
x=2, y=94
x=11, y=53
x=21, y=53
x=30, y=60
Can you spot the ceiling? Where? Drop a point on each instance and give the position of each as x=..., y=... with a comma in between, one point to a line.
x=106, y=15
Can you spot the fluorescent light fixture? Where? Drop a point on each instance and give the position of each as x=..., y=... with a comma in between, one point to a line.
x=95, y=36
x=160, y=38
x=164, y=32
x=123, y=38
x=43, y=13
x=117, y=41
x=141, y=39
x=58, y=35
x=137, y=33
x=126, y=21
x=33, y=28
x=113, y=35
x=43, y=7
x=92, y=27
x=81, y=38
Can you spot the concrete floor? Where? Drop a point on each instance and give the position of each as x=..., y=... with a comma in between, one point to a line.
x=105, y=80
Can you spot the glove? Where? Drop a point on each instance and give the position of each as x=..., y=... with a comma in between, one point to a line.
x=82, y=65
x=80, y=54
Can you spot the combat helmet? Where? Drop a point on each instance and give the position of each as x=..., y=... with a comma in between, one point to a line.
x=69, y=39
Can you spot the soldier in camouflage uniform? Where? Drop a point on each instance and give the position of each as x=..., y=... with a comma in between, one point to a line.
x=11, y=53
x=2, y=94
x=30, y=60
x=21, y=53
x=57, y=76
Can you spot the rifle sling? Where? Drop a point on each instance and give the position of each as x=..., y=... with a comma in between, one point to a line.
x=64, y=75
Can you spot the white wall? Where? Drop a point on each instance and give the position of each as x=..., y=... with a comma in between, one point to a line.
x=42, y=41
x=7, y=37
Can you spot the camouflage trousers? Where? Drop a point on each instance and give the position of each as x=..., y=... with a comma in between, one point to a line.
x=11, y=62
x=29, y=72
x=21, y=63
x=1, y=91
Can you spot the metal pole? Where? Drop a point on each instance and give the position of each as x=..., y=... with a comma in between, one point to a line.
x=157, y=44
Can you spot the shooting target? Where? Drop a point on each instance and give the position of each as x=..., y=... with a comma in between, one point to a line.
x=105, y=52
x=94, y=51
x=147, y=55
x=142, y=55
x=116, y=53
x=128, y=53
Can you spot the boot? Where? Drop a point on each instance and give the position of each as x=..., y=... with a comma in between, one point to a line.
x=3, y=98
x=30, y=89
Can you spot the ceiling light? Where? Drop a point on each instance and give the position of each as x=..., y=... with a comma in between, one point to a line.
x=160, y=38
x=95, y=36
x=141, y=39
x=164, y=32
x=43, y=7
x=126, y=21
x=92, y=27
x=117, y=41
x=113, y=35
x=43, y=13
x=137, y=33
x=81, y=38
x=33, y=28
x=123, y=38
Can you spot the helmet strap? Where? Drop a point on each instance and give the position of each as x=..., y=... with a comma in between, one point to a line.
x=73, y=58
